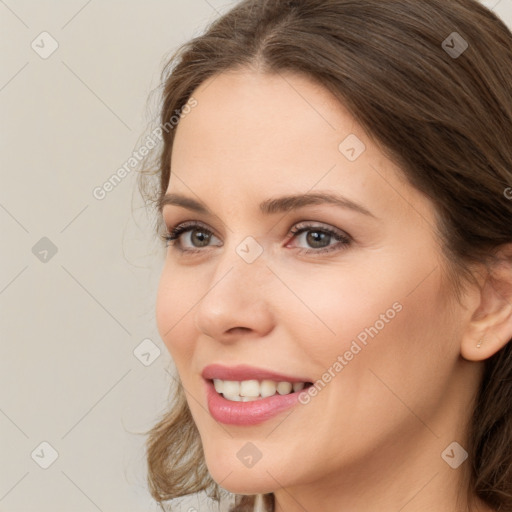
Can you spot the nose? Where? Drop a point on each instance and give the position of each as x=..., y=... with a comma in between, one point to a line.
x=235, y=302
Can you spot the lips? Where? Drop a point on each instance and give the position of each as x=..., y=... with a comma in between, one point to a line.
x=246, y=411
x=244, y=372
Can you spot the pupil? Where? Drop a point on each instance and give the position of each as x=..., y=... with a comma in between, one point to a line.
x=202, y=237
x=318, y=238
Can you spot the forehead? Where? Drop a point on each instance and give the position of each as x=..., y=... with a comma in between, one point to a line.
x=253, y=135
x=245, y=120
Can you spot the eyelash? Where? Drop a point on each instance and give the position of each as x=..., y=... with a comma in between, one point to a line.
x=344, y=240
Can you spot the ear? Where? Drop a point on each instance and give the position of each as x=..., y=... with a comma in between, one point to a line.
x=490, y=327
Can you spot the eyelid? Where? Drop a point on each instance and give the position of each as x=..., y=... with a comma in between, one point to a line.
x=311, y=225
x=190, y=224
x=173, y=227
x=179, y=229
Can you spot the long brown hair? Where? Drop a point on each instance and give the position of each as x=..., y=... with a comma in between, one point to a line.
x=444, y=118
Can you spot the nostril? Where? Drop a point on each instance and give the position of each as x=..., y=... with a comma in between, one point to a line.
x=236, y=329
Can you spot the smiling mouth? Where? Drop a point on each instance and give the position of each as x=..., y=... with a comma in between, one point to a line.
x=253, y=390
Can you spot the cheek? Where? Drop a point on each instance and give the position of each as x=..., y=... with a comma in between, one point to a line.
x=339, y=304
x=375, y=295
x=175, y=299
x=408, y=359
x=391, y=321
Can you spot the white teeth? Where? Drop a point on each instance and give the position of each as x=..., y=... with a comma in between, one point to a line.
x=250, y=390
x=283, y=388
x=298, y=386
x=233, y=398
x=219, y=385
x=268, y=388
x=231, y=387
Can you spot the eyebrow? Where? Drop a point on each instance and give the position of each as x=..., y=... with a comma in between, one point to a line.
x=271, y=206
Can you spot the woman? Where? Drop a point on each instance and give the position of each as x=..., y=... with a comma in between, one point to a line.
x=337, y=288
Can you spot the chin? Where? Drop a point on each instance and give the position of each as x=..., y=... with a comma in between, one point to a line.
x=231, y=475
x=248, y=484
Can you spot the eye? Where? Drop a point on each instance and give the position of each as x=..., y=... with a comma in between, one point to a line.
x=194, y=237
x=198, y=236
x=320, y=238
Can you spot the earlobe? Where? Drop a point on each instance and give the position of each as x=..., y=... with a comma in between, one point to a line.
x=490, y=327
x=488, y=334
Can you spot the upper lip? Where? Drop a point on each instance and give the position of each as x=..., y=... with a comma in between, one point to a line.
x=244, y=372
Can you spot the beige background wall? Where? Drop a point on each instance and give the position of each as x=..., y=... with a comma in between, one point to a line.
x=78, y=274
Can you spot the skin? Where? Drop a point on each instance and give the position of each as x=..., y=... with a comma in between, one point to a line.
x=372, y=438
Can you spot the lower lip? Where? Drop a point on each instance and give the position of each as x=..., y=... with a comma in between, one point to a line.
x=247, y=413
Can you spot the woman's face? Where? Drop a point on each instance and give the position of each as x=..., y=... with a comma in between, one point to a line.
x=351, y=294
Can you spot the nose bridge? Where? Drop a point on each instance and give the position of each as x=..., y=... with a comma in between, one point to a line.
x=243, y=266
x=236, y=296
